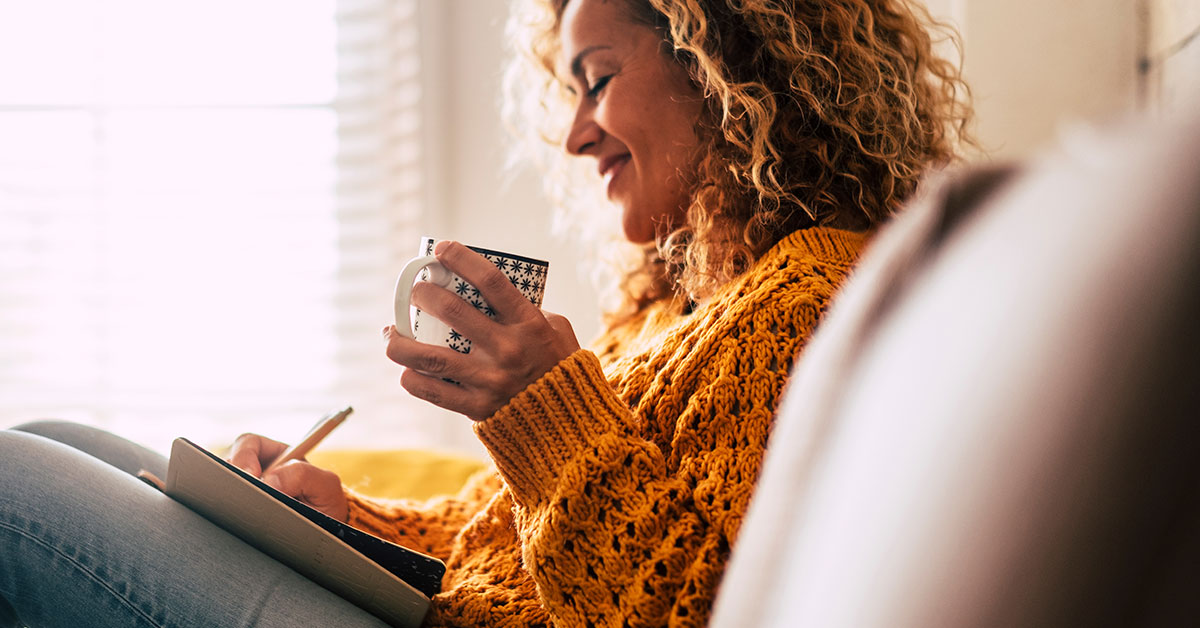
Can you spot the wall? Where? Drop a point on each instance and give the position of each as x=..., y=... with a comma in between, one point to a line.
x=1035, y=66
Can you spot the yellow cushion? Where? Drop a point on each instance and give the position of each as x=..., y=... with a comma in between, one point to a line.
x=394, y=473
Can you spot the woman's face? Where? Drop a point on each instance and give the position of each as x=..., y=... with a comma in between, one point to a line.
x=635, y=112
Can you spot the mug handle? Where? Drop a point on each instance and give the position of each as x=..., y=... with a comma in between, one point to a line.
x=404, y=285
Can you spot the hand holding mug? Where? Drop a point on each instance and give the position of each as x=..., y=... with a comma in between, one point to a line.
x=497, y=341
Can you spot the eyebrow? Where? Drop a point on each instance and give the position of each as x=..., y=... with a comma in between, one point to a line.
x=577, y=62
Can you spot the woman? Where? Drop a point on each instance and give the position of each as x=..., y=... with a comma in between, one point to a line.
x=750, y=148
x=725, y=139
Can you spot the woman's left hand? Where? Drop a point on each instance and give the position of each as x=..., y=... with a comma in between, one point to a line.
x=508, y=353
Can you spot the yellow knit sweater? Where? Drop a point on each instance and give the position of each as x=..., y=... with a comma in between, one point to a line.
x=624, y=474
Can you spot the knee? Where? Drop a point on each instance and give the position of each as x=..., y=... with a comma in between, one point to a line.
x=32, y=438
x=42, y=426
x=22, y=453
x=46, y=466
x=77, y=435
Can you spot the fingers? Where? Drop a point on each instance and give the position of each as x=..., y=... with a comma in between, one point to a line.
x=317, y=487
x=251, y=453
x=476, y=403
x=481, y=384
x=432, y=359
x=507, y=301
x=476, y=390
x=428, y=367
x=454, y=311
x=490, y=337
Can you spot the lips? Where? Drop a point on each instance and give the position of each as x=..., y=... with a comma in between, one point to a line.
x=609, y=167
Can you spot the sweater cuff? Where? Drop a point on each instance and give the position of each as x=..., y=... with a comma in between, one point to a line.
x=534, y=436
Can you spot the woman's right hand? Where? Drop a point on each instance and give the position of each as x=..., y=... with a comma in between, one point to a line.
x=300, y=479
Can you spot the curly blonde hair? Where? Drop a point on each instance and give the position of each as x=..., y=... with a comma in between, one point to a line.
x=817, y=112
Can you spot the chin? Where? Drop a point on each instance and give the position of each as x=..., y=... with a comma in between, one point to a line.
x=634, y=229
x=642, y=224
x=638, y=234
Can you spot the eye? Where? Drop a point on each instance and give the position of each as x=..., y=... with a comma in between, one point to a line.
x=598, y=86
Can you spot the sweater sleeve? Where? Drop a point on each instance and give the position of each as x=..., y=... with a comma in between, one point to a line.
x=612, y=528
x=429, y=526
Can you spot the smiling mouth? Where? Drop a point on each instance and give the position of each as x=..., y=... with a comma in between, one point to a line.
x=610, y=167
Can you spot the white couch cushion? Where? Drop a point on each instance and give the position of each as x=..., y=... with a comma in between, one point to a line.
x=994, y=425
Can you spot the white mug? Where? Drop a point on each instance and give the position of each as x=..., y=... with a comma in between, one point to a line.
x=527, y=274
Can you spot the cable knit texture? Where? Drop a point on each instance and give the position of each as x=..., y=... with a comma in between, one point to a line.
x=623, y=474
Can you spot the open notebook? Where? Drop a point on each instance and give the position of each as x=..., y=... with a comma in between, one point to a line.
x=392, y=582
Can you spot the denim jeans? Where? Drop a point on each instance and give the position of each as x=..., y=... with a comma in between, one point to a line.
x=84, y=543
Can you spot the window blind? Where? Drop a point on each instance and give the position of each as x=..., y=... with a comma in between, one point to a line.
x=202, y=208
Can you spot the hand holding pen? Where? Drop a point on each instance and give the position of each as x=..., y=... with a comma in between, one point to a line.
x=310, y=440
x=283, y=468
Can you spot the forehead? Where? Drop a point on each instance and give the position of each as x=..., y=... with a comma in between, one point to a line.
x=587, y=23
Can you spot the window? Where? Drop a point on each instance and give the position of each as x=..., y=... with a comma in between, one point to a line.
x=202, y=207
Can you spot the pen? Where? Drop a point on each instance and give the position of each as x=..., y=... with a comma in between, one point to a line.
x=310, y=440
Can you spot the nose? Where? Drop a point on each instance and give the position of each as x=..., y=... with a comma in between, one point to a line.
x=584, y=133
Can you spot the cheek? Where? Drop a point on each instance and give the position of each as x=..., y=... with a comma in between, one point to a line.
x=684, y=103
x=677, y=117
x=625, y=116
x=680, y=141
